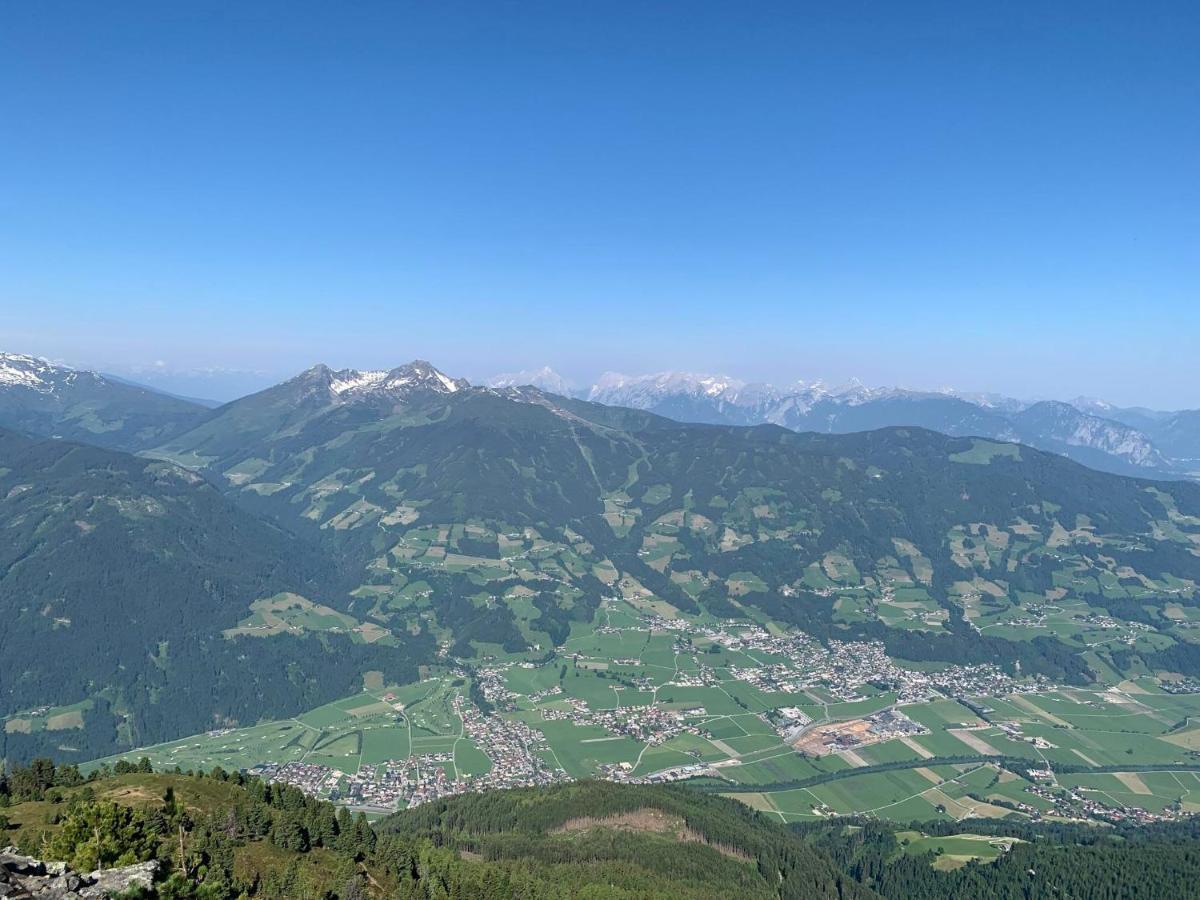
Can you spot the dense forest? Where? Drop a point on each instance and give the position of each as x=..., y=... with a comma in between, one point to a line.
x=117, y=577
x=1049, y=860
x=718, y=847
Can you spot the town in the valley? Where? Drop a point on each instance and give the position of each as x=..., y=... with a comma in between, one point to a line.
x=684, y=711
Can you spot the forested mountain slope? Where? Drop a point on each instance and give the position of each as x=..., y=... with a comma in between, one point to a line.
x=640, y=841
x=1044, y=860
x=223, y=835
x=118, y=576
x=470, y=494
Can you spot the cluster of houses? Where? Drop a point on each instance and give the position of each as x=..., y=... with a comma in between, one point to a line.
x=623, y=772
x=491, y=682
x=1036, y=618
x=316, y=781
x=1073, y=803
x=410, y=781
x=648, y=724
x=790, y=722
x=517, y=751
x=519, y=754
x=1014, y=731
x=1181, y=686
x=836, y=737
x=842, y=668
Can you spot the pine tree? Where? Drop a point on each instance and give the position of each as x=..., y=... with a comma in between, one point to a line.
x=345, y=831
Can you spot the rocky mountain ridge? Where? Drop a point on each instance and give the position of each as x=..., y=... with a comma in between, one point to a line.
x=24, y=877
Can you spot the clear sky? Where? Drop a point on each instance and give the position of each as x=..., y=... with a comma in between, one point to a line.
x=988, y=195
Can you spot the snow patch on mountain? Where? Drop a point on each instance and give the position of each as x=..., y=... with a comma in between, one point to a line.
x=720, y=398
x=18, y=370
x=21, y=371
x=347, y=385
x=818, y=405
x=351, y=380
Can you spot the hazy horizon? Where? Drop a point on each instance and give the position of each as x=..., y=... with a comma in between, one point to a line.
x=221, y=385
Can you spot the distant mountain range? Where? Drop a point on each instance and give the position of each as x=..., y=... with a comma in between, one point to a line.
x=1131, y=441
x=38, y=397
x=545, y=379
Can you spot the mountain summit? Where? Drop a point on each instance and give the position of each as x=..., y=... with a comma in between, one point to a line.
x=20, y=370
x=316, y=393
x=396, y=384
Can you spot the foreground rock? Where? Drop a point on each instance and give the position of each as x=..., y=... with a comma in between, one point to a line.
x=23, y=876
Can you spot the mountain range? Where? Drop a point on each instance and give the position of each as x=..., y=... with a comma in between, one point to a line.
x=1131, y=441
x=42, y=398
x=265, y=556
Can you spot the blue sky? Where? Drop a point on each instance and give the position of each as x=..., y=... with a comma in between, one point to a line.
x=984, y=195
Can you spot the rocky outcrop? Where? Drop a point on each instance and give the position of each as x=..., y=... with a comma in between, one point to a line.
x=24, y=877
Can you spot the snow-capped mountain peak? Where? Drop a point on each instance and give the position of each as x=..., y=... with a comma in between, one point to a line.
x=18, y=370
x=22, y=371
x=346, y=385
x=1093, y=405
x=43, y=398
x=420, y=374
x=1081, y=429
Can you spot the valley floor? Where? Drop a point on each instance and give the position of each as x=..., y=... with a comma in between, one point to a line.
x=774, y=720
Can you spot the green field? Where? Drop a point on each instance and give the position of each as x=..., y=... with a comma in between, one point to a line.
x=953, y=851
x=602, y=676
